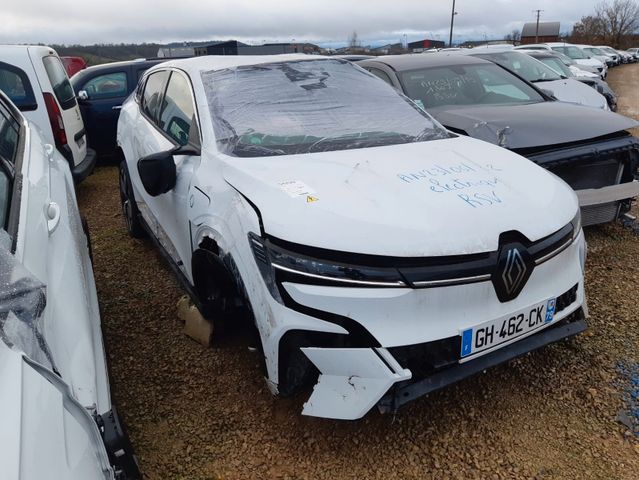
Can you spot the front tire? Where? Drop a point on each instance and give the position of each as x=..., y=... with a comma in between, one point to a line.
x=130, y=210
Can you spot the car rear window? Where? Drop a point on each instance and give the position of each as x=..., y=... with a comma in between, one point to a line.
x=62, y=88
x=14, y=82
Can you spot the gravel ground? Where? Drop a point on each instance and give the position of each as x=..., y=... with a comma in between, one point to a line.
x=197, y=413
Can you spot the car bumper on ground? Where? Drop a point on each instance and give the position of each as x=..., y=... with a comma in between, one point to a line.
x=85, y=167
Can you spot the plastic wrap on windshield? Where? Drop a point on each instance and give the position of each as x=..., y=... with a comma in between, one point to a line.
x=22, y=302
x=309, y=106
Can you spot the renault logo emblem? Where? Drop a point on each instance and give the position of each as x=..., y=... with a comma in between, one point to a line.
x=514, y=272
x=514, y=267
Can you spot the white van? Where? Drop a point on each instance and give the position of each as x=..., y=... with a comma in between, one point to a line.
x=34, y=78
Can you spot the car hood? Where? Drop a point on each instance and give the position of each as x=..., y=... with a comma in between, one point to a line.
x=532, y=125
x=573, y=91
x=45, y=433
x=443, y=197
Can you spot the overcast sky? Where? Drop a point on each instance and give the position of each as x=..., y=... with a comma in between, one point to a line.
x=320, y=21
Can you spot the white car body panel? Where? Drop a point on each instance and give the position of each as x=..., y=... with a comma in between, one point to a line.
x=45, y=433
x=378, y=201
x=351, y=382
x=48, y=427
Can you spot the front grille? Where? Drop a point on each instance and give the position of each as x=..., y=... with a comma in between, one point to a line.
x=596, y=214
x=584, y=175
x=425, y=359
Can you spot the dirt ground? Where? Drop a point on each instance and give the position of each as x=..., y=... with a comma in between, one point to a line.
x=197, y=413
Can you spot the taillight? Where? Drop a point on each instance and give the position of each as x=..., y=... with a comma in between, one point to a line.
x=55, y=118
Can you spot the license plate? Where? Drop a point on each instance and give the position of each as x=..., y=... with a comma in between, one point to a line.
x=495, y=332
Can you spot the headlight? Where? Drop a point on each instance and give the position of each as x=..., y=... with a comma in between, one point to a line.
x=576, y=224
x=600, y=89
x=273, y=260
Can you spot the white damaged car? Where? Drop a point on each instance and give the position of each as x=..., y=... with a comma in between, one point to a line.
x=381, y=256
x=56, y=416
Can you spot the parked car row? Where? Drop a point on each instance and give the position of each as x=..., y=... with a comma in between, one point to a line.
x=589, y=148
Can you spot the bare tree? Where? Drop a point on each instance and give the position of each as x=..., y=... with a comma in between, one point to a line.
x=618, y=19
x=514, y=37
x=590, y=29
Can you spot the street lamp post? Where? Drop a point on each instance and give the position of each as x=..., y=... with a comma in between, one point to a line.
x=452, y=21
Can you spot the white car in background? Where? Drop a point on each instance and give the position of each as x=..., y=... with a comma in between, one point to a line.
x=583, y=59
x=35, y=80
x=381, y=257
x=57, y=418
x=542, y=76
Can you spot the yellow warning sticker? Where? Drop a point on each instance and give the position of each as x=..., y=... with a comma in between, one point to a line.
x=311, y=199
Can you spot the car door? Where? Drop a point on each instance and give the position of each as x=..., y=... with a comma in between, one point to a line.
x=101, y=106
x=168, y=121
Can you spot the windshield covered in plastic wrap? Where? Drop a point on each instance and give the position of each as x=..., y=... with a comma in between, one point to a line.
x=22, y=302
x=310, y=106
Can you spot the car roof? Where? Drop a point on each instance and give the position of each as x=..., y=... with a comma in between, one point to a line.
x=419, y=60
x=124, y=63
x=194, y=65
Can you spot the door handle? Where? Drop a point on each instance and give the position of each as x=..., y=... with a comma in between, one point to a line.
x=52, y=214
x=117, y=107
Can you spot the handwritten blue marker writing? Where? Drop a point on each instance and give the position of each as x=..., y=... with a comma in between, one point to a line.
x=457, y=184
x=477, y=200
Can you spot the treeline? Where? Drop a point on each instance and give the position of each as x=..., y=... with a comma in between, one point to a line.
x=111, y=52
x=612, y=23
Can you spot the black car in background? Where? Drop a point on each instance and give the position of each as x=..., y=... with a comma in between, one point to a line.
x=100, y=91
x=589, y=148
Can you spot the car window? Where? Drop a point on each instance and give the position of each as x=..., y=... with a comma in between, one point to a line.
x=573, y=52
x=62, y=88
x=523, y=65
x=9, y=131
x=110, y=85
x=153, y=90
x=467, y=85
x=15, y=84
x=557, y=65
x=308, y=106
x=381, y=74
x=177, y=109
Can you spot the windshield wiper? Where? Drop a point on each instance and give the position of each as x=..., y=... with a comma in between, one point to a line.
x=545, y=80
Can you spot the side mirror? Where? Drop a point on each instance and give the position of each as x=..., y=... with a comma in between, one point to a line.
x=83, y=96
x=157, y=171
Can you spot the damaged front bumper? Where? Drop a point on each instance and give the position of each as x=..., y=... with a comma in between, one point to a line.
x=354, y=380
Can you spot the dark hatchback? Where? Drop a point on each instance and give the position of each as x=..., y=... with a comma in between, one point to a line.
x=100, y=91
x=589, y=148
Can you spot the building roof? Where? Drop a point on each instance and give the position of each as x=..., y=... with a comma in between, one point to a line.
x=546, y=29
